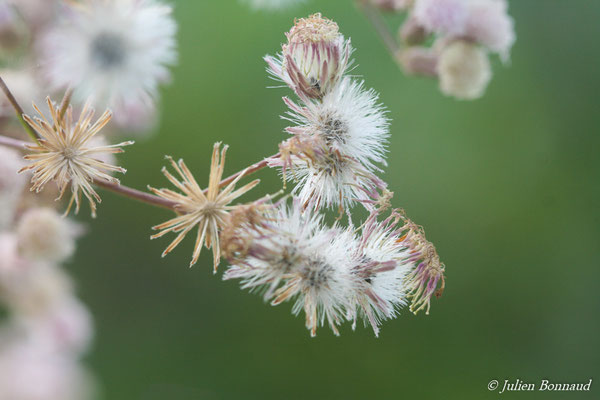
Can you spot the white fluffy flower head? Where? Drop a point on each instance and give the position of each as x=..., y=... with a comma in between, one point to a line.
x=298, y=259
x=115, y=50
x=348, y=119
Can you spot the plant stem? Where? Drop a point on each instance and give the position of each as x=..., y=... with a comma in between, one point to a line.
x=374, y=17
x=10, y=142
x=18, y=110
x=138, y=195
x=135, y=194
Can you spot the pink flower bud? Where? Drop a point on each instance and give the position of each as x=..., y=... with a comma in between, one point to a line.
x=315, y=57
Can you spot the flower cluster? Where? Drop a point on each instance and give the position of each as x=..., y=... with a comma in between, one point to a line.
x=340, y=131
x=115, y=53
x=332, y=273
x=47, y=329
x=465, y=33
x=101, y=53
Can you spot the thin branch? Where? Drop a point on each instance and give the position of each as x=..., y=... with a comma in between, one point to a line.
x=14, y=143
x=18, y=110
x=138, y=195
x=374, y=17
x=135, y=194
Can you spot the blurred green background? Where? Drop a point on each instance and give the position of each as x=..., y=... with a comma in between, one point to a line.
x=507, y=187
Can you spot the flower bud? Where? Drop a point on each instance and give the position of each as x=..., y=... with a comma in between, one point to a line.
x=412, y=32
x=315, y=57
x=464, y=70
x=44, y=235
x=419, y=61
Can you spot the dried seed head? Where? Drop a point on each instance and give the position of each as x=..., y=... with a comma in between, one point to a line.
x=206, y=210
x=66, y=154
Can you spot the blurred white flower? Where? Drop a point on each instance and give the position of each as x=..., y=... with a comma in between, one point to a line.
x=45, y=236
x=28, y=372
x=464, y=70
x=314, y=59
x=11, y=184
x=444, y=17
x=115, y=50
x=64, y=327
x=31, y=289
x=490, y=25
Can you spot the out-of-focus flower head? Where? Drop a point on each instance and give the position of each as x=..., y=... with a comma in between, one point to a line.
x=28, y=372
x=464, y=70
x=490, y=25
x=444, y=17
x=64, y=327
x=485, y=22
x=115, y=50
x=314, y=59
x=45, y=236
x=31, y=289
